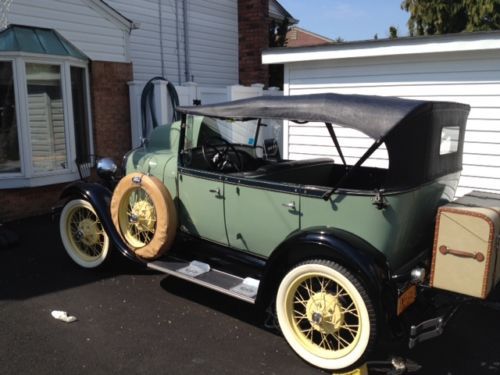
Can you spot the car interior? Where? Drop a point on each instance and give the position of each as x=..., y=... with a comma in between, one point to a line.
x=215, y=153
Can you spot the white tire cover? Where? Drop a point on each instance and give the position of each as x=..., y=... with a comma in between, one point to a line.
x=166, y=215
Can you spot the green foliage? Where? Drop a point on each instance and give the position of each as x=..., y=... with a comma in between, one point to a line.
x=277, y=33
x=393, y=32
x=428, y=17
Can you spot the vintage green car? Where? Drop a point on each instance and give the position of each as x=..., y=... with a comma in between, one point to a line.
x=337, y=249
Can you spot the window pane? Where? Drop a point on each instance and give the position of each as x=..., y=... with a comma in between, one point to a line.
x=449, y=140
x=9, y=144
x=78, y=90
x=46, y=117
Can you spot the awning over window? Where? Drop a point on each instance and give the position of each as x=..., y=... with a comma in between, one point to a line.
x=37, y=40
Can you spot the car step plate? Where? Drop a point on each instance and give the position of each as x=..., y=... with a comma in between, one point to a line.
x=202, y=274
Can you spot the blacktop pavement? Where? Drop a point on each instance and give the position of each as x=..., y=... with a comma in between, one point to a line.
x=135, y=321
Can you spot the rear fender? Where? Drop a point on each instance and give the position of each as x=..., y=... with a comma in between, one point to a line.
x=100, y=197
x=366, y=262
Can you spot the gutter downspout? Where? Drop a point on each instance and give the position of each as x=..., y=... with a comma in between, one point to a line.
x=178, y=42
x=160, y=15
x=186, y=40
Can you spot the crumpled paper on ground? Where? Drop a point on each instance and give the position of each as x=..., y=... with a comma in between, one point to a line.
x=63, y=315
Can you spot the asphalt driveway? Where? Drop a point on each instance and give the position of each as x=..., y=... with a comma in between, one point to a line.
x=135, y=321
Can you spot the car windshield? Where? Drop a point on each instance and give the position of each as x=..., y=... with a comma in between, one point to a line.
x=201, y=129
x=239, y=132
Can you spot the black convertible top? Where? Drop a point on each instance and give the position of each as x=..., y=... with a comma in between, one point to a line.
x=375, y=116
x=412, y=130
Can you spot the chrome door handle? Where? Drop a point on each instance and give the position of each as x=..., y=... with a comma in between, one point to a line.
x=290, y=205
x=215, y=191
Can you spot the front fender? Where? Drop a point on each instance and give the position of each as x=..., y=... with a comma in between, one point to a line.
x=345, y=248
x=100, y=197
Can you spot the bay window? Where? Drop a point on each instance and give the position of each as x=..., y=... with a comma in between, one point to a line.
x=44, y=112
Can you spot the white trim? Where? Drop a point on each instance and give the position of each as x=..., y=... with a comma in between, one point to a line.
x=286, y=123
x=281, y=13
x=22, y=127
x=116, y=17
x=27, y=177
x=69, y=118
x=392, y=47
x=41, y=180
x=88, y=104
x=41, y=56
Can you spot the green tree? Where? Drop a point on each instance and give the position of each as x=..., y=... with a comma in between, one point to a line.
x=393, y=32
x=429, y=17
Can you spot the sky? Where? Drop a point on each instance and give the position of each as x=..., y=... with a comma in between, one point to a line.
x=349, y=19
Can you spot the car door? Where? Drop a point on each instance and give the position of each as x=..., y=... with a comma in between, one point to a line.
x=260, y=215
x=201, y=205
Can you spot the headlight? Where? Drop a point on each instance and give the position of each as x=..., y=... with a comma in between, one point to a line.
x=106, y=168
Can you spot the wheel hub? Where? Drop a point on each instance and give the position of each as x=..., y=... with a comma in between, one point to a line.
x=324, y=313
x=143, y=215
x=88, y=232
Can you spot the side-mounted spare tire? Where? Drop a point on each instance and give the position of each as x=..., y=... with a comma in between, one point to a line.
x=144, y=214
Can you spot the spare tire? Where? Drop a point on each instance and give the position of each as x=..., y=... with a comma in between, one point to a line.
x=144, y=214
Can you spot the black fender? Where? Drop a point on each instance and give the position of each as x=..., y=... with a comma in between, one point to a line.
x=340, y=246
x=99, y=197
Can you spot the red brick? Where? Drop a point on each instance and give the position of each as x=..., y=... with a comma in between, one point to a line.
x=253, y=24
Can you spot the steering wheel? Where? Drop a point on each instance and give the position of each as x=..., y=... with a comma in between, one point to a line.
x=222, y=158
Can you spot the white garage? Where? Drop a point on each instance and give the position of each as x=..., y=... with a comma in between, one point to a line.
x=460, y=67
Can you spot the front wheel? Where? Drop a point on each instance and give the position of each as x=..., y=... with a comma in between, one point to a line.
x=82, y=234
x=326, y=315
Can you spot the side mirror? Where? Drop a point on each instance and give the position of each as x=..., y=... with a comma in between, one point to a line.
x=106, y=168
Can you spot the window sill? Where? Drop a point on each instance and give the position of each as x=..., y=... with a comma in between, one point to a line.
x=25, y=182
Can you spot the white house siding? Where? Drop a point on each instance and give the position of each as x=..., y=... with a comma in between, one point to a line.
x=466, y=77
x=95, y=33
x=212, y=40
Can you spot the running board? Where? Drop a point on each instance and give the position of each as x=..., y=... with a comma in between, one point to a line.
x=200, y=273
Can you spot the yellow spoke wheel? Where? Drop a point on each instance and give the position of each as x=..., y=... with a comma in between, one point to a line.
x=144, y=214
x=82, y=234
x=325, y=314
x=137, y=218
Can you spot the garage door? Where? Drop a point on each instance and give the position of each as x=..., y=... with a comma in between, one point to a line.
x=467, y=77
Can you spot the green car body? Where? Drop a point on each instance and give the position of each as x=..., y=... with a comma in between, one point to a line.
x=256, y=219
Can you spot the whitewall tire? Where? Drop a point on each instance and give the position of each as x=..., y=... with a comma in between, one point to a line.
x=82, y=234
x=326, y=315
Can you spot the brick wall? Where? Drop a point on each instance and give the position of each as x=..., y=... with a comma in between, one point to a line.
x=111, y=125
x=253, y=24
x=20, y=203
x=110, y=108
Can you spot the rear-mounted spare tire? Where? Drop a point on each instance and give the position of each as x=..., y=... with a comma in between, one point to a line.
x=144, y=214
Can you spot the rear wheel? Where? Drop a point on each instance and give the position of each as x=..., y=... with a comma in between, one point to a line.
x=326, y=315
x=82, y=234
